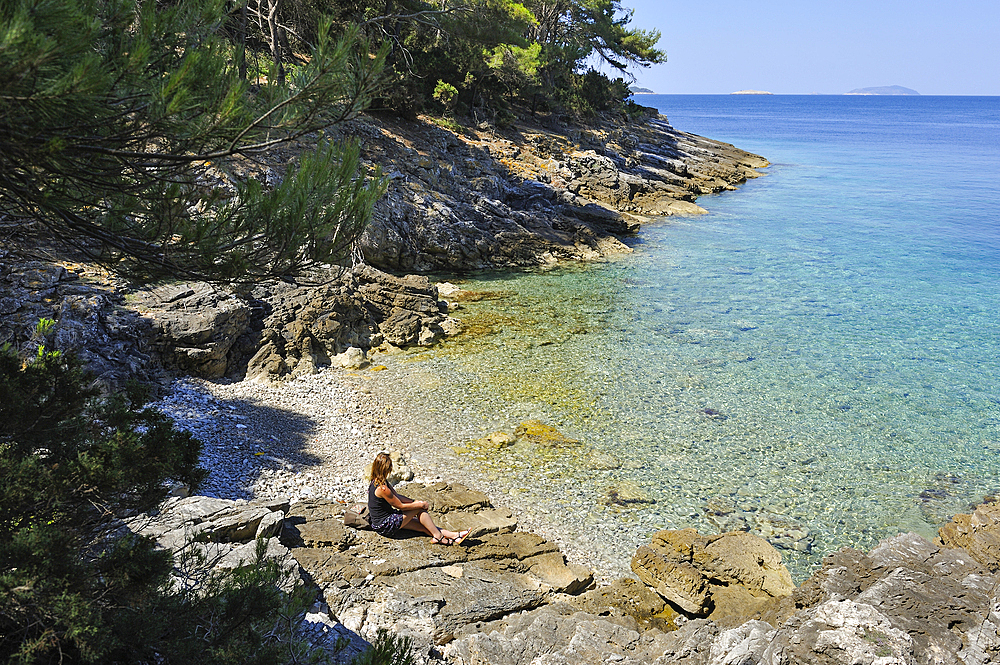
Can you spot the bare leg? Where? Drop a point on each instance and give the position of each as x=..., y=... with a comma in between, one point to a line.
x=420, y=520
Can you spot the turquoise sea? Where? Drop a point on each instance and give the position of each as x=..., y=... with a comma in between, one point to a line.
x=815, y=360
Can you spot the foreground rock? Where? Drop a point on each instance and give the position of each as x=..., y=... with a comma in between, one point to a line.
x=425, y=591
x=282, y=330
x=906, y=601
x=510, y=598
x=212, y=536
x=977, y=533
x=732, y=574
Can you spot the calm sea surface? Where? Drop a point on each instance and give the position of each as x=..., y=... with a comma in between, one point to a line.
x=815, y=360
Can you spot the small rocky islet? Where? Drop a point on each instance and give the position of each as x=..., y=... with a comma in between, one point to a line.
x=287, y=434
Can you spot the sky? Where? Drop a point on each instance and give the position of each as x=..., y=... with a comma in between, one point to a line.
x=939, y=47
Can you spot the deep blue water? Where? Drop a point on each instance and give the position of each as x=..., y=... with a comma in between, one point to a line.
x=816, y=359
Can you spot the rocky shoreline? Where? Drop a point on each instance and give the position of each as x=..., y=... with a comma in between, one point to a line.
x=529, y=194
x=287, y=434
x=511, y=596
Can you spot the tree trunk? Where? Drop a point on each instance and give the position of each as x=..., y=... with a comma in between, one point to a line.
x=241, y=41
x=272, y=24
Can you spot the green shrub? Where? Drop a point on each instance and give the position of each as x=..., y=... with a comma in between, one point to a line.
x=387, y=649
x=446, y=94
x=78, y=587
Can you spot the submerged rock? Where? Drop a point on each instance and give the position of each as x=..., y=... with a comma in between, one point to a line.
x=627, y=493
x=542, y=434
x=783, y=531
x=495, y=441
x=601, y=461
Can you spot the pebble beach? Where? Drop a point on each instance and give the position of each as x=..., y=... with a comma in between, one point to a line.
x=312, y=437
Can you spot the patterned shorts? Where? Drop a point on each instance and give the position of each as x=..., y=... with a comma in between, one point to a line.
x=390, y=526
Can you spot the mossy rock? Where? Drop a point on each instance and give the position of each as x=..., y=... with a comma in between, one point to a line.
x=494, y=441
x=539, y=433
x=627, y=494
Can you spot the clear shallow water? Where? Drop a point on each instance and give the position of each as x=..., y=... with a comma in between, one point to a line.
x=815, y=359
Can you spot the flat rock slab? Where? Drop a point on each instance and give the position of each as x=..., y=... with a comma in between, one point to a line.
x=317, y=524
x=424, y=590
x=484, y=592
x=560, y=634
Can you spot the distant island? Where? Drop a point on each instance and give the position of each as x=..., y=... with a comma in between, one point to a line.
x=883, y=90
x=636, y=90
x=751, y=92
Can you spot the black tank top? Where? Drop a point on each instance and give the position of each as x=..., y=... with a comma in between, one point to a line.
x=378, y=508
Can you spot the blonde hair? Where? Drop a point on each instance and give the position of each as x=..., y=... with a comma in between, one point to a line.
x=381, y=468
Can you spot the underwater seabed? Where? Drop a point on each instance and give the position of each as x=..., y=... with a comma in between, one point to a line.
x=693, y=413
x=814, y=360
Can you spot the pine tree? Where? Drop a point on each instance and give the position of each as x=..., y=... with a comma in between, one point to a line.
x=118, y=119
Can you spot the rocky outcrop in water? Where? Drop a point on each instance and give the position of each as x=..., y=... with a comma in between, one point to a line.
x=718, y=576
x=977, y=533
x=530, y=195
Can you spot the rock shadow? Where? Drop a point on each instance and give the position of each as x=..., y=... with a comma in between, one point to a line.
x=241, y=438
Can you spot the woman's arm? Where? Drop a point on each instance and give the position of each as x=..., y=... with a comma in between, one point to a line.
x=398, y=501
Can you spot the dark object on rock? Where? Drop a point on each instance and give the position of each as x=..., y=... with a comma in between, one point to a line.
x=357, y=516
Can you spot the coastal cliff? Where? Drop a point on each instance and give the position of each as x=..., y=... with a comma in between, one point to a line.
x=530, y=194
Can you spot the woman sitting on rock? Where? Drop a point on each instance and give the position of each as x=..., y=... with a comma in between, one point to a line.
x=388, y=511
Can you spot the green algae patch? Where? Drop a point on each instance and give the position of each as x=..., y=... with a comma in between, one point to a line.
x=542, y=434
x=486, y=323
x=479, y=296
